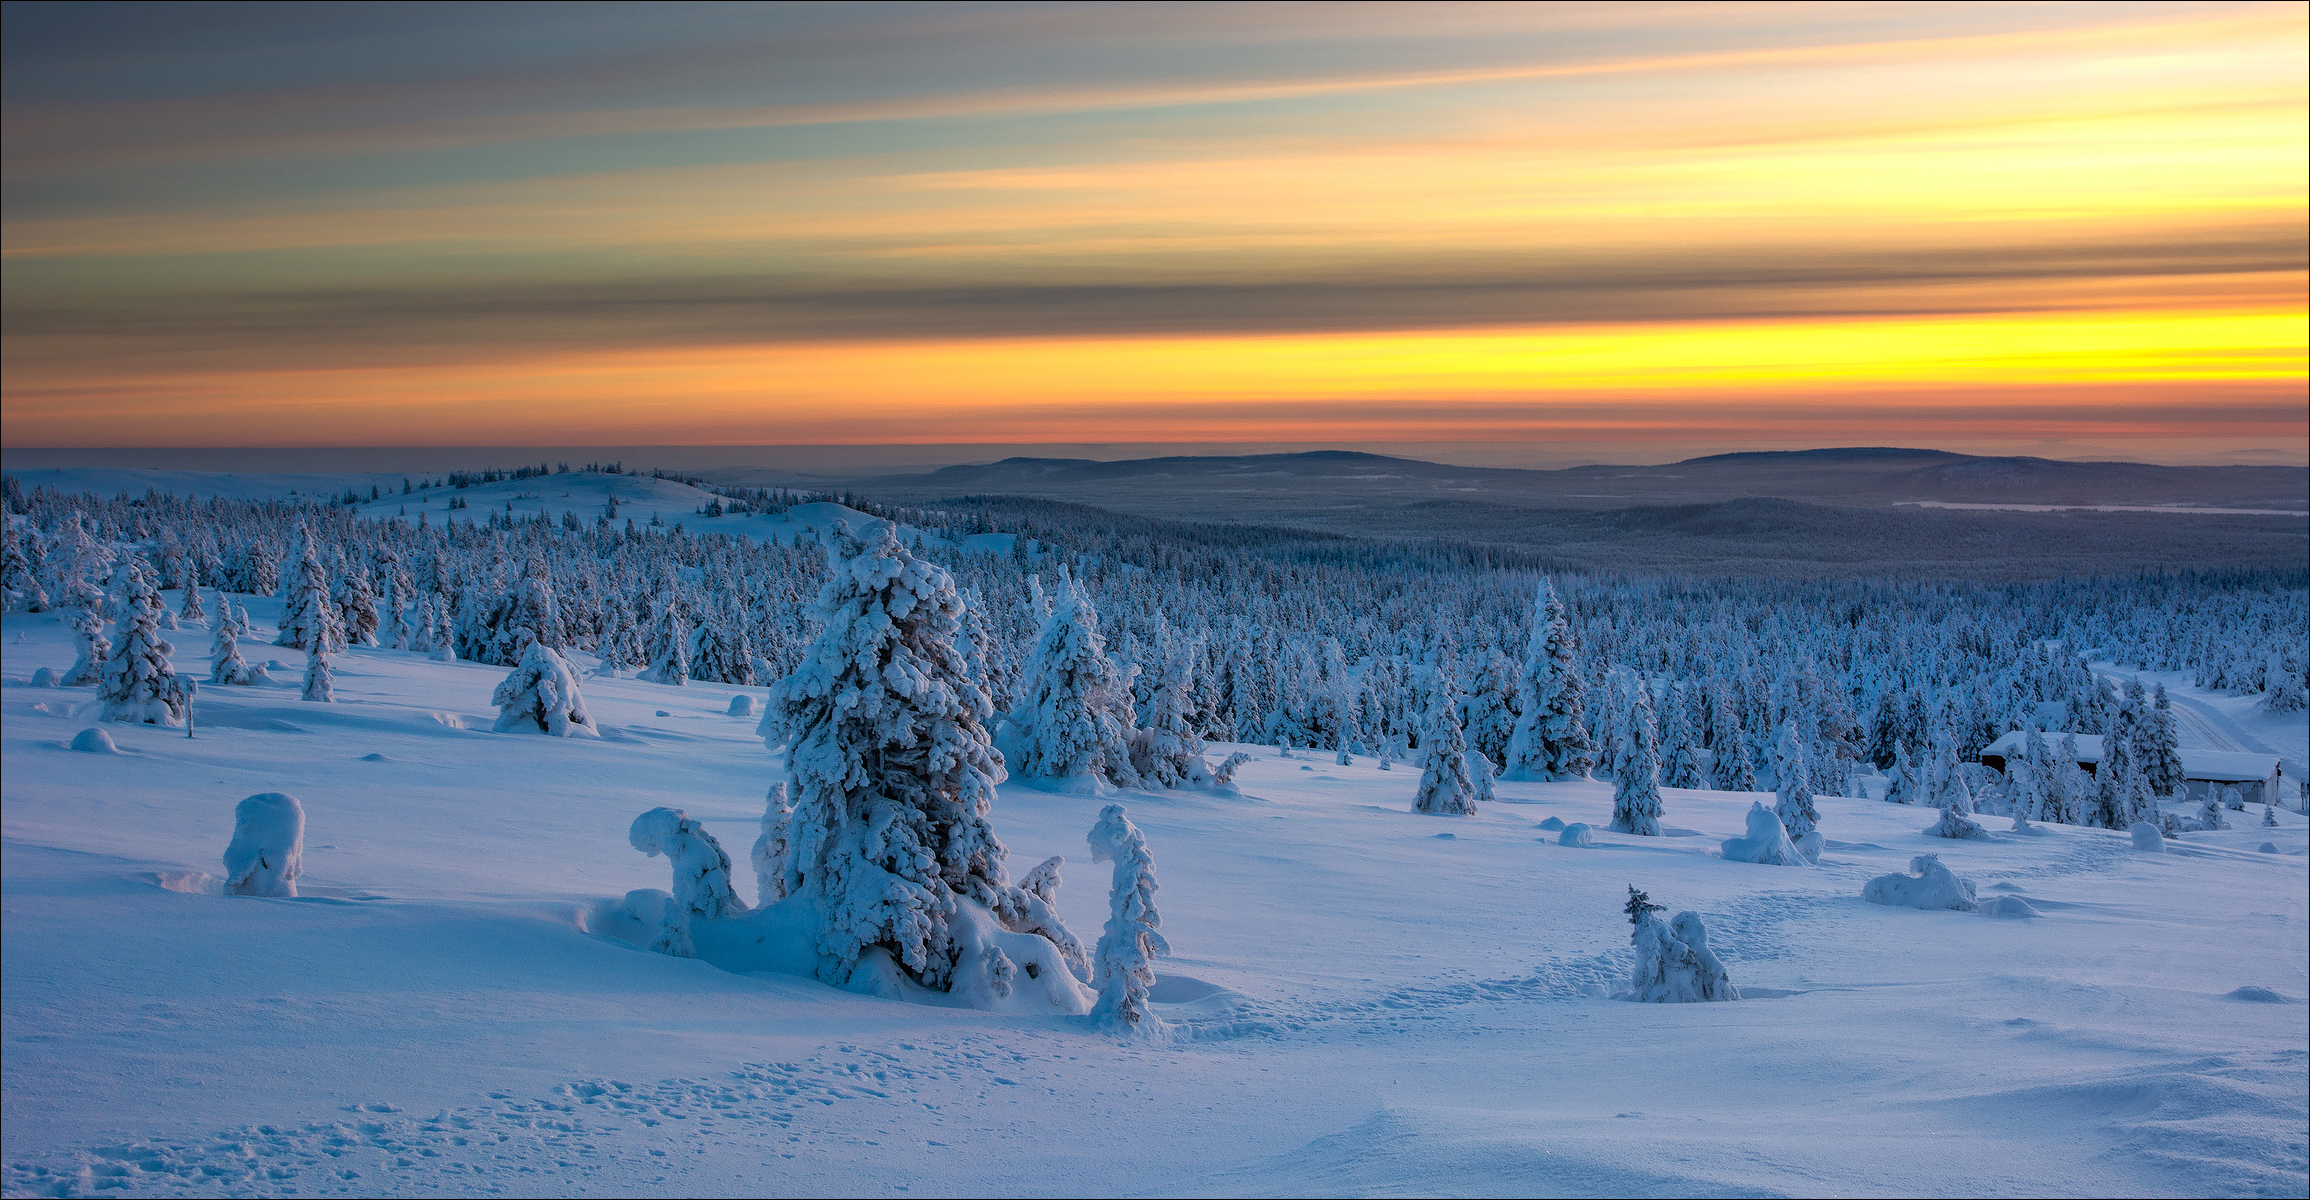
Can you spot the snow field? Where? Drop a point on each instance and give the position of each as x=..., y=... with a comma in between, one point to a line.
x=1365, y=1007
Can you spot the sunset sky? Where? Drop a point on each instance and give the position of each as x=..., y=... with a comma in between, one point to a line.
x=1623, y=232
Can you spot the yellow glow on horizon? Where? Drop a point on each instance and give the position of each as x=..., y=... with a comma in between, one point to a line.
x=1009, y=389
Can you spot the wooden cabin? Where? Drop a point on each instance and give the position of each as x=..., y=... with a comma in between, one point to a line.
x=2203, y=771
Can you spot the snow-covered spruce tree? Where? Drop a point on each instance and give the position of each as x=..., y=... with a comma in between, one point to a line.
x=2157, y=749
x=1673, y=962
x=1903, y=789
x=192, y=610
x=988, y=656
x=541, y=692
x=701, y=870
x=891, y=768
x=267, y=853
x=2135, y=801
x=1952, y=797
x=671, y=666
x=1123, y=966
x=1635, y=756
x=95, y=650
x=1680, y=743
x=2286, y=684
x=1167, y=753
x=320, y=685
x=2210, y=816
x=19, y=583
x=717, y=657
x=1481, y=773
x=1067, y=727
x=357, y=608
x=1445, y=789
x=138, y=683
x=226, y=666
x=305, y=606
x=1790, y=784
x=1550, y=743
x=770, y=848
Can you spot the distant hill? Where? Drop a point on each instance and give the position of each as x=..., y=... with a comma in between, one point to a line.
x=1278, y=485
x=1856, y=510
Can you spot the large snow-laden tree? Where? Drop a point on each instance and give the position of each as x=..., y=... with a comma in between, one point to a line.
x=1635, y=756
x=1071, y=727
x=541, y=693
x=1123, y=965
x=1445, y=788
x=1550, y=743
x=890, y=767
x=138, y=684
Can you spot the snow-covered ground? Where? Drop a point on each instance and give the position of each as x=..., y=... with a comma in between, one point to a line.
x=1369, y=1001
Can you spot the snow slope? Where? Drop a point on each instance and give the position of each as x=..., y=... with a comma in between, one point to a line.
x=640, y=498
x=1371, y=1002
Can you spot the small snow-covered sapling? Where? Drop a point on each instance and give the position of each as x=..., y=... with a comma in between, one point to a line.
x=701, y=869
x=1123, y=967
x=267, y=853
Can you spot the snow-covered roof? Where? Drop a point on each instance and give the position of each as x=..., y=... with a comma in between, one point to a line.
x=2227, y=766
x=2016, y=745
x=2223, y=766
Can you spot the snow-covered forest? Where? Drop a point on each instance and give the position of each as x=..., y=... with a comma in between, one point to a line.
x=888, y=699
x=1254, y=635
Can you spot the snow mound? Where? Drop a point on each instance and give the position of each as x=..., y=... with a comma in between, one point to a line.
x=267, y=852
x=1767, y=842
x=94, y=741
x=2268, y=847
x=2010, y=906
x=1810, y=846
x=741, y=705
x=374, y=756
x=2259, y=995
x=2147, y=839
x=1928, y=885
x=47, y=677
x=1575, y=834
x=1552, y=824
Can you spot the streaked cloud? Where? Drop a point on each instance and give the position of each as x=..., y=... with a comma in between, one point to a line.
x=1185, y=222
